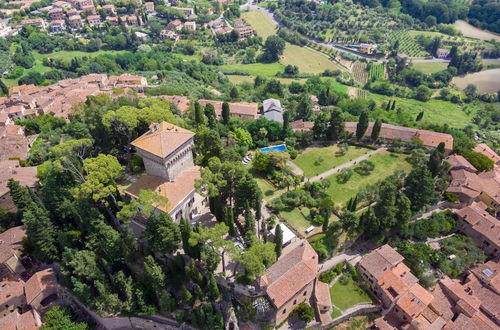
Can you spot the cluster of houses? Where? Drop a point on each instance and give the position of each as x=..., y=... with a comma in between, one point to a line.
x=24, y=296
x=220, y=27
x=74, y=14
x=451, y=304
x=28, y=101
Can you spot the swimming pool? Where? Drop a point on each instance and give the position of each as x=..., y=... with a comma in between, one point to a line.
x=279, y=147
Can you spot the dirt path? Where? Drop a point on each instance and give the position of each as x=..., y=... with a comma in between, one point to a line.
x=345, y=165
x=295, y=169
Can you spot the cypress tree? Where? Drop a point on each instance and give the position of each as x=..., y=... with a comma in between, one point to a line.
x=278, y=240
x=199, y=117
x=324, y=226
x=435, y=161
x=362, y=125
x=225, y=113
x=441, y=147
x=419, y=116
x=354, y=204
x=388, y=107
x=393, y=105
x=41, y=232
x=377, y=126
x=185, y=234
x=20, y=195
x=213, y=289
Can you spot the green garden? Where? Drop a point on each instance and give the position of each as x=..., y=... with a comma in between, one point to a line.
x=314, y=161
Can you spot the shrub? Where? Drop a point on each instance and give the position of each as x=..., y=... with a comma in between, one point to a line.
x=304, y=312
x=344, y=175
x=328, y=276
x=450, y=197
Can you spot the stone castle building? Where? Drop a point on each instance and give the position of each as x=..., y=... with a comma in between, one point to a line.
x=166, y=151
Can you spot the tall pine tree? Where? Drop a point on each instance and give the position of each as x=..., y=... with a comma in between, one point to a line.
x=377, y=126
x=362, y=125
x=278, y=240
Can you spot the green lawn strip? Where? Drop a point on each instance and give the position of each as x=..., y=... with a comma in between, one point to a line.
x=430, y=67
x=435, y=111
x=297, y=219
x=307, y=59
x=255, y=69
x=345, y=296
x=306, y=160
x=386, y=163
x=336, y=313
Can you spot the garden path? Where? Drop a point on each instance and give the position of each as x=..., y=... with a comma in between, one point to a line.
x=345, y=165
x=295, y=169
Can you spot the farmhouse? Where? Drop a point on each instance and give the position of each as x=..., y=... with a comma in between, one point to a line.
x=245, y=31
x=442, y=53
x=301, y=125
x=181, y=103
x=56, y=14
x=38, y=22
x=94, y=20
x=57, y=26
x=75, y=22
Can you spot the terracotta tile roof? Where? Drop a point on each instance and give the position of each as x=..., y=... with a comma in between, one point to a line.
x=235, y=108
x=407, y=134
x=39, y=282
x=428, y=320
x=488, y=152
x=10, y=321
x=459, y=162
x=381, y=260
x=24, y=90
x=10, y=169
x=181, y=102
x=175, y=191
x=322, y=293
x=397, y=281
x=162, y=139
x=415, y=301
x=490, y=182
x=481, y=221
x=442, y=303
x=489, y=273
x=301, y=125
x=465, y=182
x=489, y=298
x=11, y=289
x=11, y=242
x=28, y=321
x=290, y=274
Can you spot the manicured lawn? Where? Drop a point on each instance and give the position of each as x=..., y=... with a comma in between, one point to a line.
x=386, y=163
x=307, y=59
x=255, y=69
x=430, y=67
x=260, y=22
x=435, y=111
x=336, y=313
x=306, y=160
x=298, y=219
x=345, y=296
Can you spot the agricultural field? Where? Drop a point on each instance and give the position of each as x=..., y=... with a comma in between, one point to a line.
x=473, y=32
x=430, y=67
x=359, y=72
x=307, y=59
x=386, y=163
x=238, y=80
x=447, y=41
x=435, y=111
x=486, y=81
x=260, y=22
x=255, y=69
x=376, y=71
x=407, y=44
x=314, y=161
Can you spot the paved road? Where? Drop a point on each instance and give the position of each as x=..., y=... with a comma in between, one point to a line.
x=295, y=169
x=345, y=165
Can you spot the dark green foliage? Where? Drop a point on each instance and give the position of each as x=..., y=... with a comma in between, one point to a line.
x=59, y=317
x=162, y=233
x=225, y=113
x=376, y=130
x=420, y=188
x=438, y=224
x=419, y=116
x=478, y=160
x=435, y=161
x=362, y=125
x=278, y=240
x=273, y=48
x=304, y=312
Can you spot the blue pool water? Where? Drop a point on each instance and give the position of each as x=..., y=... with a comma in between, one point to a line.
x=280, y=147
